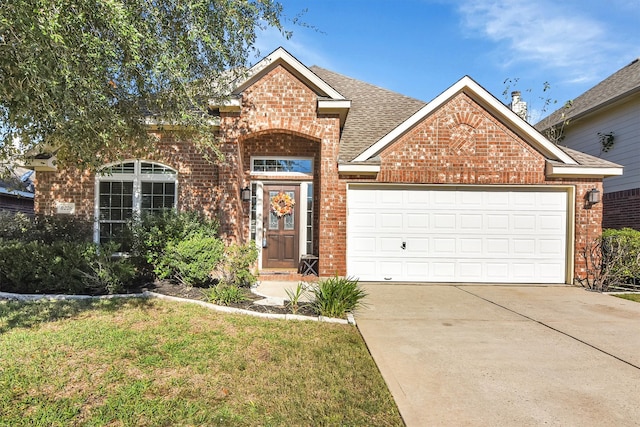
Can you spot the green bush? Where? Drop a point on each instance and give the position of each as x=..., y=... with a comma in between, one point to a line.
x=621, y=249
x=239, y=260
x=336, y=296
x=148, y=236
x=224, y=294
x=45, y=228
x=107, y=272
x=192, y=260
x=61, y=268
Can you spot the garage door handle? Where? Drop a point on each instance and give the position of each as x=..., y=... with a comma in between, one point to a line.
x=404, y=245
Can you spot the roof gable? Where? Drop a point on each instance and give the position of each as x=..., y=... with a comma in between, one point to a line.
x=485, y=100
x=281, y=57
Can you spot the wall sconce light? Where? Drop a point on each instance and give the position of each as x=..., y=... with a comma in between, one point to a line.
x=593, y=196
x=245, y=194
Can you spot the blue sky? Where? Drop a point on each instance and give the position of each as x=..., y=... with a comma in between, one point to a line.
x=421, y=47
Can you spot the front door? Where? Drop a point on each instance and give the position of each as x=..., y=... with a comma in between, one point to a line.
x=281, y=214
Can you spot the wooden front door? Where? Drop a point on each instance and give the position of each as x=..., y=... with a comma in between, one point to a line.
x=281, y=218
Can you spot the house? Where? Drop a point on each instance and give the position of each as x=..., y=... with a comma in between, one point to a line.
x=17, y=191
x=605, y=122
x=376, y=185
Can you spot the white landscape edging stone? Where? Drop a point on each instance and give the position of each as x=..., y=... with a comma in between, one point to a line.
x=147, y=294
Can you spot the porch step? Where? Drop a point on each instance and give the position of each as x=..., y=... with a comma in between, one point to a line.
x=285, y=276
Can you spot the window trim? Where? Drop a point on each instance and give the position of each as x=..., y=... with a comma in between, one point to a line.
x=137, y=178
x=254, y=172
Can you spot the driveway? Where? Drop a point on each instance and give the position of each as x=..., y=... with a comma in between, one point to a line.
x=455, y=355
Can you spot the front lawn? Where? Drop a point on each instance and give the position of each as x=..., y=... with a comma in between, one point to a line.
x=630, y=297
x=147, y=363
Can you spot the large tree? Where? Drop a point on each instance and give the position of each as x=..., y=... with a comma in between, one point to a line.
x=86, y=77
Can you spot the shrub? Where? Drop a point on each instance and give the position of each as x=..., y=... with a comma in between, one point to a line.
x=612, y=260
x=336, y=296
x=191, y=261
x=45, y=228
x=225, y=294
x=148, y=236
x=31, y=267
x=238, y=264
x=61, y=268
x=107, y=272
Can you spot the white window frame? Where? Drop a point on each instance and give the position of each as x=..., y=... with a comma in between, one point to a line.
x=137, y=177
x=254, y=172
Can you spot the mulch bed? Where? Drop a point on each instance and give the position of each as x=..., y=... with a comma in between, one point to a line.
x=165, y=287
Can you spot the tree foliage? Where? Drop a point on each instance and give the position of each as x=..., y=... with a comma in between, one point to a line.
x=84, y=77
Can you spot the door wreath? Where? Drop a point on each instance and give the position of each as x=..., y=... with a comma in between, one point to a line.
x=282, y=204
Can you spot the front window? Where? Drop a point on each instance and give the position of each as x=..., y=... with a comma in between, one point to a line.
x=282, y=165
x=129, y=188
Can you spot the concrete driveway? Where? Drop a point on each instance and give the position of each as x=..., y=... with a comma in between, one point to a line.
x=455, y=355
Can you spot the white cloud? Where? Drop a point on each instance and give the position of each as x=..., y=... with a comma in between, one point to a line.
x=556, y=36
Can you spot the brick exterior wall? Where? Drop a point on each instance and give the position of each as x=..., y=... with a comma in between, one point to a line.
x=197, y=182
x=458, y=144
x=622, y=209
x=279, y=117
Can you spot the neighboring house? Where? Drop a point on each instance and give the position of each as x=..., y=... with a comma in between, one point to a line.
x=17, y=191
x=377, y=185
x=605, y=122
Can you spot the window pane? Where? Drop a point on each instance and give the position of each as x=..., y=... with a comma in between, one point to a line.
x=121, y=168
x=154, y=168
x=116, y=197
x=288, y=219
x=310, y=218
x=304, y=166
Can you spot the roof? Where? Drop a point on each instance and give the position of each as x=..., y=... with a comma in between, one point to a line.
x=374, y=112
x=17, y=182
x=623, y=83
x=586, y=166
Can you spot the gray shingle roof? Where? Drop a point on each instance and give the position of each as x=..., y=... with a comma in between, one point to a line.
x=588, y=160
x=374, y=112
x=622, y=83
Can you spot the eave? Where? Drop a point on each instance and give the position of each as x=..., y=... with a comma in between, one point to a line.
x=553, y=170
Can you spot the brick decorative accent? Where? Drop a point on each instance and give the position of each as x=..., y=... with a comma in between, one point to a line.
x=622, y=209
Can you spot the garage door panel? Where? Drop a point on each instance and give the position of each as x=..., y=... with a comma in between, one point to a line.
x=416, y=271
x=443, y=271
x=417, y=247
x=442, y=221
x=457, y=235
x=417, y=222
x=390, y=222
x=497, y=246
x=470, y=271
x=497, y=221
x=362, y=221
x=473, y=246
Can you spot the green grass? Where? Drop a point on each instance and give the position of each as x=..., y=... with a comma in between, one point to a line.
x=149, y=363
x=630, y=297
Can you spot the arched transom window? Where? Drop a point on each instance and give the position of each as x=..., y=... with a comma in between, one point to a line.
x=128, y=188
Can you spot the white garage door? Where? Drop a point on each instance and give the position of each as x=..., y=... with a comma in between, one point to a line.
x=456, y=235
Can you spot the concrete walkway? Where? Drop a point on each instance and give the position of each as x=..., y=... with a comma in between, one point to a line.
x=485, y=355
